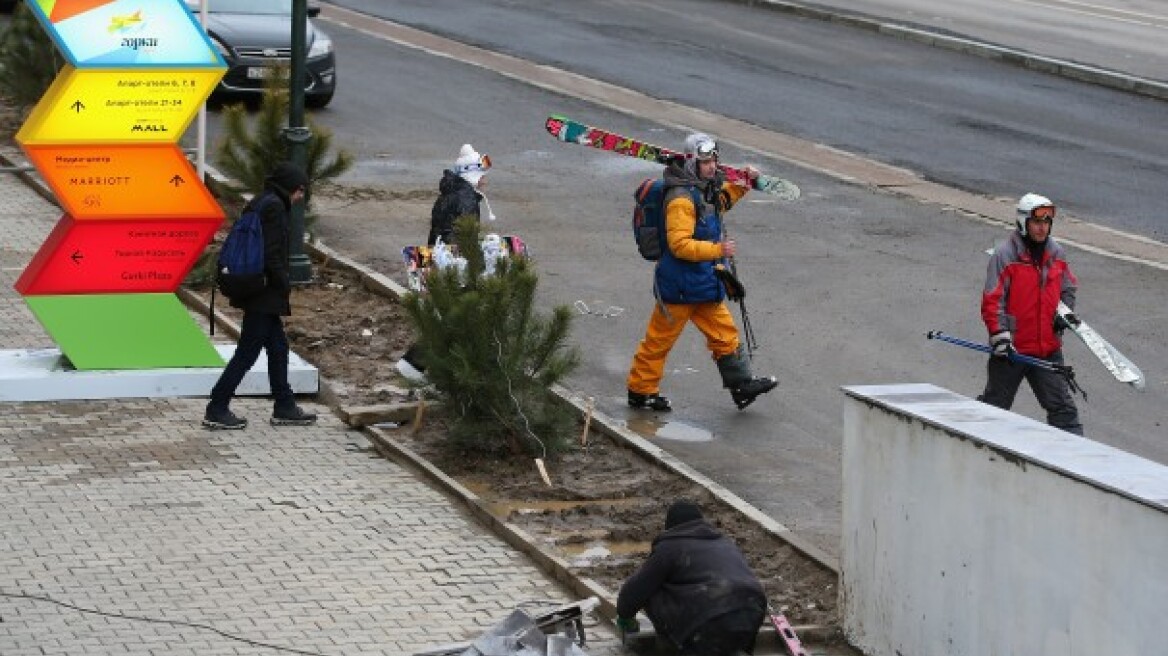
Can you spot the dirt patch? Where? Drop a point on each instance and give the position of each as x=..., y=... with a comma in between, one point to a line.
x=606, y=501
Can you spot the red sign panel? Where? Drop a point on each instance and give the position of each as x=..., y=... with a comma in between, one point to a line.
x=113, y=257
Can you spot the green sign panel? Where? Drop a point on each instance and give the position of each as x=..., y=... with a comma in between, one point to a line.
x=124, y=331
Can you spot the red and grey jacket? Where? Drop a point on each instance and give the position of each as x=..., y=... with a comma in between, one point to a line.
x=1022, y=295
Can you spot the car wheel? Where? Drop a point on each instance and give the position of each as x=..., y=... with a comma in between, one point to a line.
x=319, y=101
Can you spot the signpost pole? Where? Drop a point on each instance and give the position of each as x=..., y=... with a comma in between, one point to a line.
x=298, y=134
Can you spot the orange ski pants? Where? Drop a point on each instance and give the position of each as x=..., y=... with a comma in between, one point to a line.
x=713, y=319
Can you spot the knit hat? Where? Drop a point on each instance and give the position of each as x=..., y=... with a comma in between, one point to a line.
x=288, y=177
x=680, y=512
x=470, y=165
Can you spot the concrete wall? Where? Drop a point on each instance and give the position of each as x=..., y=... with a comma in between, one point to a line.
x=970, y=531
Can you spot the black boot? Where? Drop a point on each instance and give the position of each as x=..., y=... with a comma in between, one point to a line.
x=743, y=385
x=223, y=420
x=649, y=402
x=745, y=393
x=292, y=416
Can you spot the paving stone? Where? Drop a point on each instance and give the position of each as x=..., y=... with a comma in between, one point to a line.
x=297, y=537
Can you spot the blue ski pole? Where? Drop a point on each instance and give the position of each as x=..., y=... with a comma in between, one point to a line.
x=1066, y=371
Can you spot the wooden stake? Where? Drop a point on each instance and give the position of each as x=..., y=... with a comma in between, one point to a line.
x=543, y=471
x=418, y=417
x=587, y=421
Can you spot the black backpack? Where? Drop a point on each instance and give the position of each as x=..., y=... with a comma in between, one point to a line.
x=649, y=217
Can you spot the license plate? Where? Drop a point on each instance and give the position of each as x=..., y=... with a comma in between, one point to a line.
x=264, y=72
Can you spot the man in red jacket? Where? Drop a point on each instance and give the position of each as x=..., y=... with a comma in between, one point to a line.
x=1027, y=277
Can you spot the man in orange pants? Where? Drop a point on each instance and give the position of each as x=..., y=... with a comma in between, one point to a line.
x=688, y=280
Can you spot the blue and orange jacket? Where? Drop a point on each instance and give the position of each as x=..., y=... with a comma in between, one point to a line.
x=1022, y=295
x=685, y=272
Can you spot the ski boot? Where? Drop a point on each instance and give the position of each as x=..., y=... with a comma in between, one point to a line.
x=745, y=393
x=744, y=386
x=649, y=402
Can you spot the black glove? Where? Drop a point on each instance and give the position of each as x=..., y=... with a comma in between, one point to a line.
x=1061, y=322
x=734, y=289
x=1002, y=344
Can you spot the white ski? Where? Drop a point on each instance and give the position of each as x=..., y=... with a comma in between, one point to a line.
x=1115, y=362
x=1119, y=366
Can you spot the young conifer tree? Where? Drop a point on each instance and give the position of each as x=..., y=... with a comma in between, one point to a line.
x=492, y=356
x=250, y=146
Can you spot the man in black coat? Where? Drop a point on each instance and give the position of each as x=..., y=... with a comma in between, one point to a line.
x=262, y=327
x=696, y=588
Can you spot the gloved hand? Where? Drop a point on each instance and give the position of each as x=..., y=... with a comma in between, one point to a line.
x=735, y=291
x=1061, y=323
x=627, y=625
x=1002, y=344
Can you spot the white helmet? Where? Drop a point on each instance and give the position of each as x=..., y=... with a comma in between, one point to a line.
x=1025, y=209
x=701, y=146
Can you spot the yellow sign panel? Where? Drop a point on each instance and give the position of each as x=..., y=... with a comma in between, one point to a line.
x=119, y=105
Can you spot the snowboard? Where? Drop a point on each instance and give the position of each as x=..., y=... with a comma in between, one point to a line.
x=569, y=131
x=419, y=261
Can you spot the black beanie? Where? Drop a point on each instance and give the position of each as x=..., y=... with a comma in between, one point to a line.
x=680, y=512
x=288, y=177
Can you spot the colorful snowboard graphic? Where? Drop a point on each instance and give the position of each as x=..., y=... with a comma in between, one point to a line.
x=569, y=131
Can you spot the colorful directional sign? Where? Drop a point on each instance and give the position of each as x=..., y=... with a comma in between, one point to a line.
x=107, y=257
x=107, y=33
x=119, y=105
x=124, y=331
x=124, y=182
x=104, y=137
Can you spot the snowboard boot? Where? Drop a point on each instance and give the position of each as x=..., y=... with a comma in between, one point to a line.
x=745, y=393
x=744, y=386
x=649, y=402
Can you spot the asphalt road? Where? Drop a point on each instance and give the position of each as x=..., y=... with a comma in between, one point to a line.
x=1120, y=35
x=842, y=285
x=963, y=121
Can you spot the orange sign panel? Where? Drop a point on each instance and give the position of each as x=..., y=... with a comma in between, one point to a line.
x=115, y=257
x=124, y=182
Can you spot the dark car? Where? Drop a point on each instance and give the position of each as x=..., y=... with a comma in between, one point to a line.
x=255, y=36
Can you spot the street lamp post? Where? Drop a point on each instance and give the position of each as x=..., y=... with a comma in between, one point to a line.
x=297, y=134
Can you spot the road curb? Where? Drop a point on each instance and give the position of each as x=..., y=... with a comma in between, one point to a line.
x=610, y=427
x=1050, y=65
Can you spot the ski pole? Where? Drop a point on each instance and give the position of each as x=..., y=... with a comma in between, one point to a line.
x=747, y=329
x=1065, y=370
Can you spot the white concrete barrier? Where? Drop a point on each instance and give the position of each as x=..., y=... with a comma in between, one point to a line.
x=971, y=531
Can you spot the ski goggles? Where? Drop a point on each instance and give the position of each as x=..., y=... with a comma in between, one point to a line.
x=480, y=166
x=706, y=149
x=1043, y=214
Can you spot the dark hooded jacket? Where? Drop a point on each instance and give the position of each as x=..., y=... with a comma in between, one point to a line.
x=275, y=205
x=693, y=574
x=457, y=198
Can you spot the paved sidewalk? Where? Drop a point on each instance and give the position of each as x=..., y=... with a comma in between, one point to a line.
x=300, y=538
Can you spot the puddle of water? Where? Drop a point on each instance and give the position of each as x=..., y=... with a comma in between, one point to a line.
x=602, y=549
x=668, y=430
x=504, y=507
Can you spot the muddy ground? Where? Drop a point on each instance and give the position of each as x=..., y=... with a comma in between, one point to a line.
x=606, y=502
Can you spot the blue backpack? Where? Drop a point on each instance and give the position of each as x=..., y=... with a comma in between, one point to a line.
x=649, y=217
x=239, y=273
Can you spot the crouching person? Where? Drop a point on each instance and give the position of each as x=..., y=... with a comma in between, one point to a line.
x=696, y=588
